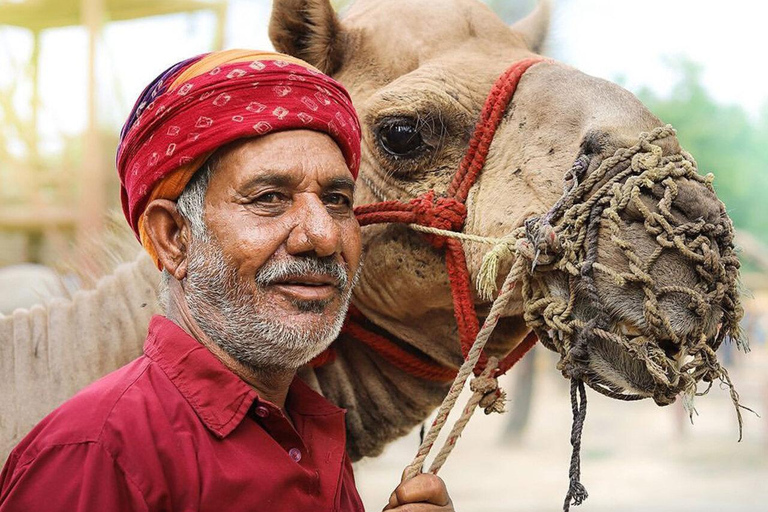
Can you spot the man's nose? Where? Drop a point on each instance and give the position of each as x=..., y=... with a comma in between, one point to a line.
x=315, y=230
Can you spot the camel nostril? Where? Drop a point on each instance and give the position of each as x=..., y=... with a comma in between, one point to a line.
x=670, y=348
x=595, y=142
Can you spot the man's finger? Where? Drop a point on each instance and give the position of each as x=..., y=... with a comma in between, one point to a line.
x=423, y=488
x=392, y=503
x=420, y=507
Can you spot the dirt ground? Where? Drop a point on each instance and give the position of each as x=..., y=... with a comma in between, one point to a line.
x=635, y=456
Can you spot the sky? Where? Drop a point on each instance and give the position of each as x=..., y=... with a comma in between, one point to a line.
x=624, y=40
x=636, y=40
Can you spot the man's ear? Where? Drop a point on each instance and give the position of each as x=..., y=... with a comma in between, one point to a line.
x=169, y=234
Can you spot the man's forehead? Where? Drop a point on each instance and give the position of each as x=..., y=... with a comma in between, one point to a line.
x=293, y=177
x=287, y=158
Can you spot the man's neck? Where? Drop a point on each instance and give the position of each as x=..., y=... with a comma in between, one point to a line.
x=271, y=386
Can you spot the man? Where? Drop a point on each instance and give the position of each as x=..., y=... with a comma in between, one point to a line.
x=237, y=172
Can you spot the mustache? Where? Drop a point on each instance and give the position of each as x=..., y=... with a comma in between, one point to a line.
x=274, y=271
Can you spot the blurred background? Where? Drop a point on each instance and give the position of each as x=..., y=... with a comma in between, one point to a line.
x=71, y=69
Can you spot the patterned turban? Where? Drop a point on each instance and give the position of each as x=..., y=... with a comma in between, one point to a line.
x=202, y=103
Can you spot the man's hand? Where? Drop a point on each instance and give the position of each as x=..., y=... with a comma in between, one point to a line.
x=423, y=493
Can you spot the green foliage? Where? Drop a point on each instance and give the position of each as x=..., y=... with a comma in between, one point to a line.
x=511, y=12
x=340, y=5
x=724, y=140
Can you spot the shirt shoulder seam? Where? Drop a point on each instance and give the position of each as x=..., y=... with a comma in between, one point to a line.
x=50, y=447
x=24, y=458
x=125, y=473
x=117, y=400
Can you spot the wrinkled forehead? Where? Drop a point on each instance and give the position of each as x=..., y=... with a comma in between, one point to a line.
x=289, y=159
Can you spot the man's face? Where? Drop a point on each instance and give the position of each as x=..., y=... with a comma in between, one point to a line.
x=272, y=281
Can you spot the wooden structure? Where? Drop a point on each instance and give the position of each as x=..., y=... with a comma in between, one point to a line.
x=34, y=214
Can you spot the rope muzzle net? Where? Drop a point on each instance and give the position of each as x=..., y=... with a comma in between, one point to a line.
x=555, y=259
x=567, y=241
x=560, y=252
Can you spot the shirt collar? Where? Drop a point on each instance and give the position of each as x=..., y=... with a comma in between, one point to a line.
x=220, y=398
x=304, y=400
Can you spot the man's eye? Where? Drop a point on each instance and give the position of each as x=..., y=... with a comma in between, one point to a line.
x=270, y=198
x=338, y=200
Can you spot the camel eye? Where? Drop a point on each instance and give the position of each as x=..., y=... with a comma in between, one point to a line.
x=400, y=137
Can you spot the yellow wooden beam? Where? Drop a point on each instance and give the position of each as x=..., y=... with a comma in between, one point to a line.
x=25, y=218
x=43, y=14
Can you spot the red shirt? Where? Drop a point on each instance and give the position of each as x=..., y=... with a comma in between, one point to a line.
x=175, y=430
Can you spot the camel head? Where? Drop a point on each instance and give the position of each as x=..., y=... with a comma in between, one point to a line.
x=419, y=73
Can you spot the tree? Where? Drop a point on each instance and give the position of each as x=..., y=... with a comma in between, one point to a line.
x=724, y=140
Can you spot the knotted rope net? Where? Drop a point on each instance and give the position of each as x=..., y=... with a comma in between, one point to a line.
x=555, y=258
x=564, y=241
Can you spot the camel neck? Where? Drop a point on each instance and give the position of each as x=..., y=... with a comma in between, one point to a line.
x=383, y=402
x=394, y=350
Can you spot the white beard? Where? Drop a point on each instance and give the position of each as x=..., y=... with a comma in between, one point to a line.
x=228, y=313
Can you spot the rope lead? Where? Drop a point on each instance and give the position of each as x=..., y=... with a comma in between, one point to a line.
x=577, y=493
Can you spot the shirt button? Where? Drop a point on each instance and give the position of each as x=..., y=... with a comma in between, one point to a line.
x=262, y=412
x=295, y=454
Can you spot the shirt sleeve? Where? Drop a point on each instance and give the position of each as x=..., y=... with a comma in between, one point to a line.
x=80, y=477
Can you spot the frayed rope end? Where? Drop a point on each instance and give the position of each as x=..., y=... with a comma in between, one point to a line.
x=577, y=493
x=489, y=270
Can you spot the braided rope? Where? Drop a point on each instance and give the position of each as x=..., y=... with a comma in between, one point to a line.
x=441, y=219
x=598, y=201
x=447, y=214
x=466, y=369
x=361, y=330
x=576, y=492
x=484, y=387
x=464, y=237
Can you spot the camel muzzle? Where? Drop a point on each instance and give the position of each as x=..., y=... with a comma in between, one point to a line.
x=659, y=355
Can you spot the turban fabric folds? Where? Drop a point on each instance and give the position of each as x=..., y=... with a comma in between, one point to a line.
x=205, y=102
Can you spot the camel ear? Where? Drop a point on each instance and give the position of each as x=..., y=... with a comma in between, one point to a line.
x=309, y=30
x=535, y=26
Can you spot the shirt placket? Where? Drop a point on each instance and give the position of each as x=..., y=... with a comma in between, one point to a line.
x=275, y=423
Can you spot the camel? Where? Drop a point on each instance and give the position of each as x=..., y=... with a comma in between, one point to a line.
x=419, y=89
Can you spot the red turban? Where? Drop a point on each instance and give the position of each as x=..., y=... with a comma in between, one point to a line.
x=200, y=104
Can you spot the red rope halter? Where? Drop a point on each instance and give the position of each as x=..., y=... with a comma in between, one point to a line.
x=447, y=213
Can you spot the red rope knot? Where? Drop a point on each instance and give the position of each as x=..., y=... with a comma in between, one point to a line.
x=439, y=212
